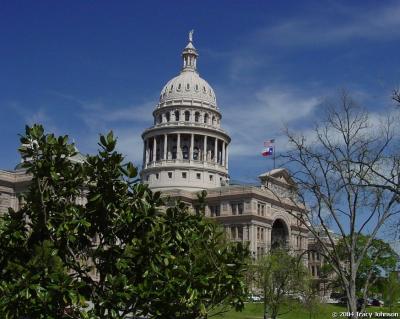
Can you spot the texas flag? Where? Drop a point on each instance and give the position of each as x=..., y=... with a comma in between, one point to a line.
x=268, y=148
x=268, y=151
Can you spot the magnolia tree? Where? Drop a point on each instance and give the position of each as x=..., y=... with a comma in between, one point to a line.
x=347, y=176
x=122, y=253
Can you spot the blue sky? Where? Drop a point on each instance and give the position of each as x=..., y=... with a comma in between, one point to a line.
x=85, y=67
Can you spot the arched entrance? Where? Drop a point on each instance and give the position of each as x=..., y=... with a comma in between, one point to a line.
x=279, y=235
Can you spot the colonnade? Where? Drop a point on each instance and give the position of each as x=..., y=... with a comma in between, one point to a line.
x=185, y=146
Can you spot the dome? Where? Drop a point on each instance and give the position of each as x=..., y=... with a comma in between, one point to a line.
x=188, y=85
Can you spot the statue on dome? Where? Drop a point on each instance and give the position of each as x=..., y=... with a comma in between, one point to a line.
x=191, y=35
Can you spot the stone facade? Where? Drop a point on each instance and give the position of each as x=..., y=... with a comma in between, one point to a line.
x=12, y=183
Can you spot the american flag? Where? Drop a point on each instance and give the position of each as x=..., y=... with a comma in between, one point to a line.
x=269, y=142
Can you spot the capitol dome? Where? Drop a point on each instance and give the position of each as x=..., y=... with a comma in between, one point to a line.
x=188, y=84
x=186, y=147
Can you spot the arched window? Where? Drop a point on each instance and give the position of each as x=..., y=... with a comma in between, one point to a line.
x=197, y=87
x=167, y=116
x=176, y=115
x=179, y=87
x=196, y=153
x=196, y=116
x=185, y=152
x=159, y=119
x=213, y=120
x=170, y=90
x=206, y=118
x=187, y=86
x=187, y=116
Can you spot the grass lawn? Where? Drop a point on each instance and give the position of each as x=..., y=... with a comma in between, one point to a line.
x=255, y=311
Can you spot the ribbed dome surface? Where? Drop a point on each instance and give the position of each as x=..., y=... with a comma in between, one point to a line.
x=188, y=85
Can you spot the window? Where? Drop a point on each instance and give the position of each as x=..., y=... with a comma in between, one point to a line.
x=147, y=178
x=157, y=176
x=240, y=232
x=185, y=152
x=260, y=209
x=198, y=175
x=169, y=174
x=197, y=87
x=159, y=119
x=215, y=210
x=233, y=232
x=213, y=120
x=206, y=118
x=240, y=208
x=167, y=116
x=196, y=153
x=196, y=116
x=187, y=86
x=187, y=116
x=237, y=208
x=211, y=178
x=184, y=174
x=176, y=115
x=170, y=90
x=179, y=87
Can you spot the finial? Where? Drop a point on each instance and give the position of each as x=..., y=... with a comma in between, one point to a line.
x=191, y=35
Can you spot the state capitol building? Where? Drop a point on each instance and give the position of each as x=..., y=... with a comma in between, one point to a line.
x=186, y=150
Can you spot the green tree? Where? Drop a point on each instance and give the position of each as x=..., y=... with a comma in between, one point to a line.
x=121, y=250
x=391, y=291
x=279, y=276
x=379, y=259
x=310, y=296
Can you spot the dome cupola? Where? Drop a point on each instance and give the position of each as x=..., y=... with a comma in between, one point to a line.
x=188, y=84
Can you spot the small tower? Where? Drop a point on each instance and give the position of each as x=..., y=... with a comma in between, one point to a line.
x=186, y=148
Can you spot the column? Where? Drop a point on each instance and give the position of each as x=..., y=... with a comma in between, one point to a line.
x=165, y=146
x=191, y=146
x=144, y=153
x=269, y=238
x=216, y=150
x=147, y=152
x=205, y=149
x=226, y=157
x=178, y=147
x=154, y=149
x=223, y=153
x=253, y=240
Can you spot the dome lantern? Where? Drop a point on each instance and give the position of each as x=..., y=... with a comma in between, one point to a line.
x=189, y=55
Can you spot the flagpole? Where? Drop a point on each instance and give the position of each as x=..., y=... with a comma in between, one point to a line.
x=274, y=155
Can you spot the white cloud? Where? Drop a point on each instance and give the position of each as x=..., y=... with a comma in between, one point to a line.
x=252, y=121
x=349, y=23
